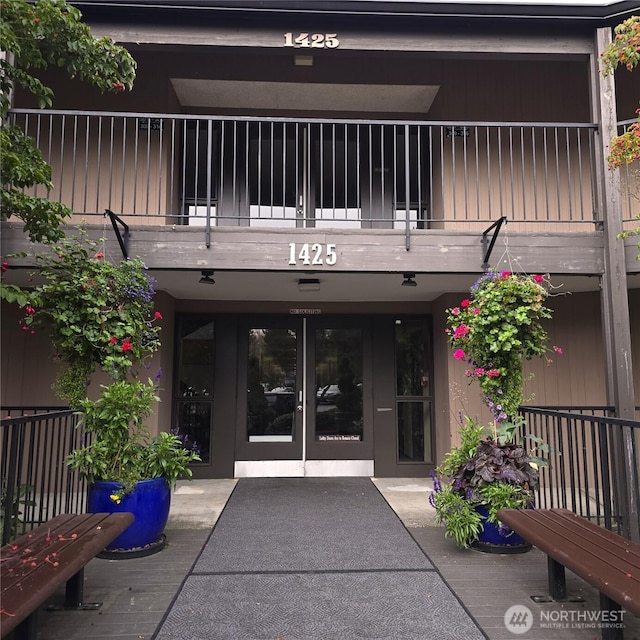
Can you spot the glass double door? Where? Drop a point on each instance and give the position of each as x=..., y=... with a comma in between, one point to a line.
x=305, y=396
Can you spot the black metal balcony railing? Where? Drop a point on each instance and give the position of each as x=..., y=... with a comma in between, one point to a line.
x=593, y=465
x=275, y=172
x=36, y=483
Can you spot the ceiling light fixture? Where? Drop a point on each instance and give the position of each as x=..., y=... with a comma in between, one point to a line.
x=309, y=284
x=207, y=277
x=409, y=280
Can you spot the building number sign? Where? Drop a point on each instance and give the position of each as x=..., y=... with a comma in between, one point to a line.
x=311, y=40
x=312, y=254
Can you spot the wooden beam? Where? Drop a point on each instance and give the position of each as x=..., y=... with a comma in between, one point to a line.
x=615, y=303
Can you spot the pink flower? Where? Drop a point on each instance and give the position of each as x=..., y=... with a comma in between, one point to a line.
x=557, y=349
x=455, y=311
x=459, y=354
x=157, y=315
x=467, y=373
x=460, y=331
x=476, y=311
x=538, y=278
x=99, y=255
x=465, y=303
x=505, y=274
x=493, y=373
x=479, y=371
x=5, y=266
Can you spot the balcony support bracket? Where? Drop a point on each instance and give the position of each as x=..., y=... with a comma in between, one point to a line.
x=487, y=245
x=123, y=240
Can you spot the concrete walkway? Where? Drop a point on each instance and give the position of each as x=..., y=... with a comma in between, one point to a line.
x=137, y=593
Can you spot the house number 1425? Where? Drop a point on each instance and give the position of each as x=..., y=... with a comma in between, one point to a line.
x=312, y=254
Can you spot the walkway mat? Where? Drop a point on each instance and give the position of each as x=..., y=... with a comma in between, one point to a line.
x=313, y=559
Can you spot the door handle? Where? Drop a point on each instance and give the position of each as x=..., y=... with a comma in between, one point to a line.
x=299, y=408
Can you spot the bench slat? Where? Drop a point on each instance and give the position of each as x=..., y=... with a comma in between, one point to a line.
x=606, y=560
x=33, y=547
x=620, y=553
x=29, y=574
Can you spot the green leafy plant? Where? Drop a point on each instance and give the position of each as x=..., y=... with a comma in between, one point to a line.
x=34, y=36
x=493, y=330
x=123, y=449
x=497, y=327
x=100, y=316
x=487, y=472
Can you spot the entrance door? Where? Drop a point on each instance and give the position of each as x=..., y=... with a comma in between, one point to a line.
x=305, y=397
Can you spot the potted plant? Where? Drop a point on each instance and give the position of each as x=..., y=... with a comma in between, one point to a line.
x=101, y=316
x=493, y=330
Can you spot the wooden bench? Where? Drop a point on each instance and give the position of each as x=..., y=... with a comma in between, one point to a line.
x=37, y=563
x=604, y=559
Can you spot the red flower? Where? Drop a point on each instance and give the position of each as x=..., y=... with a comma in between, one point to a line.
x=29, y=310
x=538, y=278
x=99, y=255
x=126, y=345
x=157, y=315
x=5, y=266
x=113, y=340
x=505, y=274
x=465, y=303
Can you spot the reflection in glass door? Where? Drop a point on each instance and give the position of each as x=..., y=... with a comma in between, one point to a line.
x=338, y=383
x=272, y=384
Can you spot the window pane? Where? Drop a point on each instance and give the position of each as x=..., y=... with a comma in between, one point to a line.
x=338, y=384
x=271, y=384
x=194, y=422
x=195, y=371
x=194, y=388
x=414, y=431
x=412, y=371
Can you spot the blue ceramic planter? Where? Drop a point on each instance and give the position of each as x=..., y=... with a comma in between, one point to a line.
x=149, y=502
x=493, y=540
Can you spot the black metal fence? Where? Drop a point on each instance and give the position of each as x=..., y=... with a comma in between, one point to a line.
x=286, y=172
x=593, y=465
x=36, y=482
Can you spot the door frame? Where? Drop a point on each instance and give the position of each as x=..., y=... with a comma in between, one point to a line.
x=304, y=455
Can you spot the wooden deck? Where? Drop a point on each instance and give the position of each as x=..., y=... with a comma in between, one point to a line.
x=137, y=593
